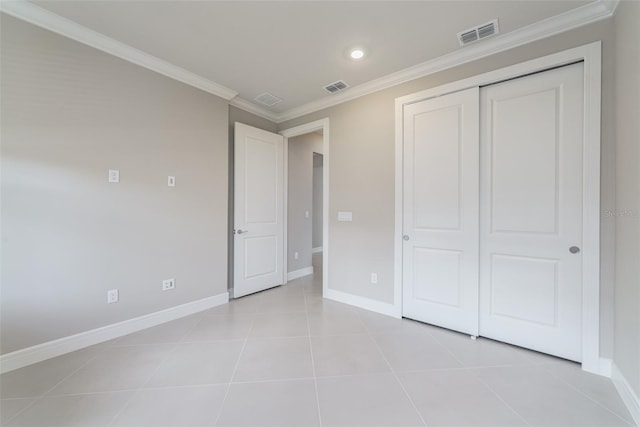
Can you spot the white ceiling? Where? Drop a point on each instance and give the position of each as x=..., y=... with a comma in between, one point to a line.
x=294, y=48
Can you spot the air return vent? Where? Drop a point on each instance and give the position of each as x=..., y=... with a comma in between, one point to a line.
x=478, y=33
x=267, y=99
x=336, y=86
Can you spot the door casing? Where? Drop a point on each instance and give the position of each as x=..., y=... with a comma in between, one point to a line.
x=591, y=56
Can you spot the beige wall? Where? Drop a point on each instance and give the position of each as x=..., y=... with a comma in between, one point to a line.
x=362, y=172
x=300, y=199
x=318, y=197
x=627, y=213
x=70, y=113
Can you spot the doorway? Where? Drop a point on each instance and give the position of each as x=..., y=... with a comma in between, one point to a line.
x=304, y=154
x=307, y=200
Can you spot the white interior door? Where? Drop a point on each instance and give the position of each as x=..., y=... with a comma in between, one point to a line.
x=259, y=210
x=531, y=211
x=440, y=205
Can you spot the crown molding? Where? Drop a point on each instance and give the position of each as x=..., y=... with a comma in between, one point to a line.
x=252, y=108
x=584, y=15
x=36, y=15
x=569, y=20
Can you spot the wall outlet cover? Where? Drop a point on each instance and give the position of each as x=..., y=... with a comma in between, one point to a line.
x=112, y=296
x=114, y=175
x=168, y=284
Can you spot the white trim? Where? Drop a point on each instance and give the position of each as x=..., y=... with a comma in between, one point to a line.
x=292, y=275
x=362, y=302
x=47, y=350
x=316, y=250
x=628, y=395
x=591, y=55
x=323, y=125
x=584, y=15
x=604, y=367
x=252, y=108
x=36, y=15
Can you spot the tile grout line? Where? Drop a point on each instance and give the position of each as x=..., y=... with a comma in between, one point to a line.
x=395, y=376
x=495, y=393
x=583, y=394
x=233, y=374
x=37, y=399
x=139, y=389
x=313, y=364
x=477, y=378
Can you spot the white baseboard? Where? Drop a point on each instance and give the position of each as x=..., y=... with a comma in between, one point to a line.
x=292, y=275
x=47, y=350
x=628, y=395
x=316, y=250
x=362, y=302
x=604, y=367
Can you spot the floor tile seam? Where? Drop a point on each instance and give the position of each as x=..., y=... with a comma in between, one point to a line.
x=233, y=374
x=212, y=341
x=313, y=362
x=447, y=349
x=397, y=379
x=577, y=389
x=272, y=380
x=21, y=411
x=237, y=315
x=90, y=393
x=497, y=395
x=82, y=365
x=149, y=344
x=138, y=390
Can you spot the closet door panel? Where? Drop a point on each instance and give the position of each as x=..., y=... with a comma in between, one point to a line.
x=531, y=211
x=440, y=220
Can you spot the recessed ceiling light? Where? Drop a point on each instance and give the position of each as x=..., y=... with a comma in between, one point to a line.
x=356, y=53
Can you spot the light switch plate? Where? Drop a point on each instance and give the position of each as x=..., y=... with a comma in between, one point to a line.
x=345, y=216
x=114, y=175
x=171, y=181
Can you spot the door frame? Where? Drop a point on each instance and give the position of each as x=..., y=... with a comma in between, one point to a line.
x=591, y=56
x=323, y=125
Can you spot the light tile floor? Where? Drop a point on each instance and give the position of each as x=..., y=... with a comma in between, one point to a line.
x=287, y=357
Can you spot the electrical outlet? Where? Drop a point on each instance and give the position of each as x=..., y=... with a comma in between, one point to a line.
x=296, y=255
x=374, y=278
x=168, y=284
x=171, y=181
x=114, y=176
x=112, y=296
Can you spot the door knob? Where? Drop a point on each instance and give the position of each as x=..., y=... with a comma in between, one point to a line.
x=574, y=249
x=405, y=237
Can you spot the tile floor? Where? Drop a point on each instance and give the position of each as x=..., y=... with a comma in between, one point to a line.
x=286, y=357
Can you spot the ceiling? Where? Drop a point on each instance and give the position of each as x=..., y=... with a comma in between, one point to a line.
x=292, y=49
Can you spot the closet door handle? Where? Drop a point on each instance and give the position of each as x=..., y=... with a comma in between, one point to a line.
x=405, y=237
x=574, y=249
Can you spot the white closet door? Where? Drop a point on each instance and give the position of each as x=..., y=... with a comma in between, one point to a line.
x=440, y=221
x=531, y=211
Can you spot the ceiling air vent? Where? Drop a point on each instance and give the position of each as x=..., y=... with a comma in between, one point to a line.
x=336, y=86
x=478, y=33
x=267, y=99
